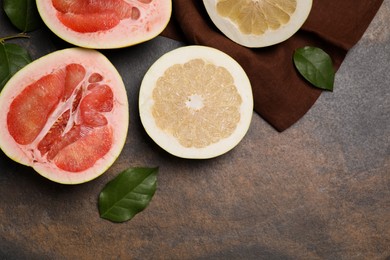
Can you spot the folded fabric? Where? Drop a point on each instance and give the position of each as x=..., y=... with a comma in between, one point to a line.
x=281, y=95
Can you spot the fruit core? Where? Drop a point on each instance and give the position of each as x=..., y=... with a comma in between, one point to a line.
x=197, y=102
x=63, y=118
x=257, y=16
x=89, y=16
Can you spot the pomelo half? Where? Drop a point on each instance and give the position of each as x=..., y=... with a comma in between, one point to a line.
x=66, y=115
x=196, y=102
x=258, y=23
x=105, y=24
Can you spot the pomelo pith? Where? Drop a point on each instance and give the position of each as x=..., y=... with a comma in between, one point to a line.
x=258, y=23
x=105, y=24
x=196, y=102
x=65, y=115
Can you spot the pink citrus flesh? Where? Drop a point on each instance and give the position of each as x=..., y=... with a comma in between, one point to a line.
x=65, y=122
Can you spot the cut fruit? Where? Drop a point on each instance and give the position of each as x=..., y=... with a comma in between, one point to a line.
x=196, y=102
x=66, y=115
x=258, y=23
x=105, y=24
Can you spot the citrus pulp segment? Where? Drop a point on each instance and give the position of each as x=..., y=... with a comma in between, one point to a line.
x=105, y=24
x=65, y=115
x=196, y=102
x=258, y=23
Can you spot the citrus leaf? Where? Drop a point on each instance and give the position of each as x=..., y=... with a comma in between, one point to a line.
x=23, y=14
x=128, y=194
x=12, y=58
x=315, y=66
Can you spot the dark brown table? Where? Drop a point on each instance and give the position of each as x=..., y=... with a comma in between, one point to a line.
x=319, y=190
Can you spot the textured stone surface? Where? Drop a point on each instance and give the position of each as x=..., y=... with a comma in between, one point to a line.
x=320, y=190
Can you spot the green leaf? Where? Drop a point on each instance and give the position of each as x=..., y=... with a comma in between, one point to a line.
x=128, y=194
x=316, y=66
x=12, y=58
x=23, y=14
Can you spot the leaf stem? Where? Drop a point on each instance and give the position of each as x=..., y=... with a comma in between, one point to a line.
x=19, y=35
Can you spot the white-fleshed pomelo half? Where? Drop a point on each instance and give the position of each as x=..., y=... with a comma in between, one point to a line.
x=105, y=24
x=196, y=102
x=258, y=23
x=65, y=115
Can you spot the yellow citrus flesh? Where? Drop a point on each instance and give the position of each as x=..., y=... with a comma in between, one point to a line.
x=258, y=23
x=202, y=113
x=257, y=16
x=196, y=102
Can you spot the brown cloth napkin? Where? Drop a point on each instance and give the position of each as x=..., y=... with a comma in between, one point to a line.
x=281, y=95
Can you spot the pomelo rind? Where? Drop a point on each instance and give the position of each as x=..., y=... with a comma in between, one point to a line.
x=230, y=30
x=181, y=56
x=46, y=65
x=123, y=35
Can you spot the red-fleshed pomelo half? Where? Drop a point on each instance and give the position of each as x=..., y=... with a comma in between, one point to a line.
x=105, y=24
x=65, y=115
